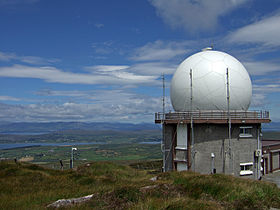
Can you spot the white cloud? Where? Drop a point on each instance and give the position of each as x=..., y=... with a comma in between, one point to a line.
x=261, y=68
x=8, y=98
x=51, y=74
x=146, y=69
x=99, y=25
x=266, y=88
x=154, y=68
x=104, y=48
x=101, y=96
x=109, y=106
x=261, y=92
x=258, y=100
x=69, y=93
x=160, y=50
x=36, y=60
x=194, y=15
x=93, y=105
x=106, y=68
x=265, y=31
x=7, y=57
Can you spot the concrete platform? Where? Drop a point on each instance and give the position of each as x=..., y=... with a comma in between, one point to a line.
x=273, y=177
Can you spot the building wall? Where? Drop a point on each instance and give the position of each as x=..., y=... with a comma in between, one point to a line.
x=213, y=138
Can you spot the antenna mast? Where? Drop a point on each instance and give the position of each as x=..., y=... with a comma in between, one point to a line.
x=163, y=94
x=192, y=133
x=229, y=121
x=162, y=122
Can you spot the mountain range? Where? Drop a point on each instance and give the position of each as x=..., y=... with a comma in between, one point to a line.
x=47, y=127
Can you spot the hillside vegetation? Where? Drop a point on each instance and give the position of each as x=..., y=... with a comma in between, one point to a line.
x=115, y=186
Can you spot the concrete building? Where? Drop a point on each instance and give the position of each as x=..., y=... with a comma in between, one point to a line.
x=211, y=130
x=212, y=151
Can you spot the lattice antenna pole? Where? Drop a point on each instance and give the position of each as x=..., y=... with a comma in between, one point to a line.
x=229, y=121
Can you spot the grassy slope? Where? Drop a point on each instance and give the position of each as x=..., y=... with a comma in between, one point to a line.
x=27, y=186
x=102, y=152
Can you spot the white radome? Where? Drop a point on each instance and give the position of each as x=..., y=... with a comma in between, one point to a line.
x=209, y=83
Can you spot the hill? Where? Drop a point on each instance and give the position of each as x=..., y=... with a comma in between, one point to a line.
x=115, y=186
x=47, y=127
x=273, y=126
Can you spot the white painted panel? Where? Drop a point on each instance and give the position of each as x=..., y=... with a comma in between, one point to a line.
x=182, y=136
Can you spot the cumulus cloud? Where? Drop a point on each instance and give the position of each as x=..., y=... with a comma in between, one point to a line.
x=114, y=105
x=265, y=32
x=91, y=105
x=194, y=15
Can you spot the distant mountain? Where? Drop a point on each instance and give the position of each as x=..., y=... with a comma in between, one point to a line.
x=273, y=126
x=26, y=127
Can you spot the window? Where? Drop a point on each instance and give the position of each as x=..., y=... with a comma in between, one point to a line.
x=246, y=132
x=246, y=169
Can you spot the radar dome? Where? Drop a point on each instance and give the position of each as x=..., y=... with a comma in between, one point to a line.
x=209, y=83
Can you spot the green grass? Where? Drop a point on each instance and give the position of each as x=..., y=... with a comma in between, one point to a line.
x=120, y=186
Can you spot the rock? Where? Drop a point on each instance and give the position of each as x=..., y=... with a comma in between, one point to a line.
x=147, y=188
x=68, y=202
x=153, y=178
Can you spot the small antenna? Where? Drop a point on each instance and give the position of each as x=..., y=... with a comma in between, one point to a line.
x=162, y=123
x=192, y=132
x=163, y=94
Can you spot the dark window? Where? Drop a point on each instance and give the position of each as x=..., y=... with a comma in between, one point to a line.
x=245, y=132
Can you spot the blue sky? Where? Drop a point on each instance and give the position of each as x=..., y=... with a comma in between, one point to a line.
x=102, y=60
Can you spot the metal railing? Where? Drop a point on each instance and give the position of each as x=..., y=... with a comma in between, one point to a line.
x=212, y=115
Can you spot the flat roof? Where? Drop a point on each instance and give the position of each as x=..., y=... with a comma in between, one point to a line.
x=266, y=143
